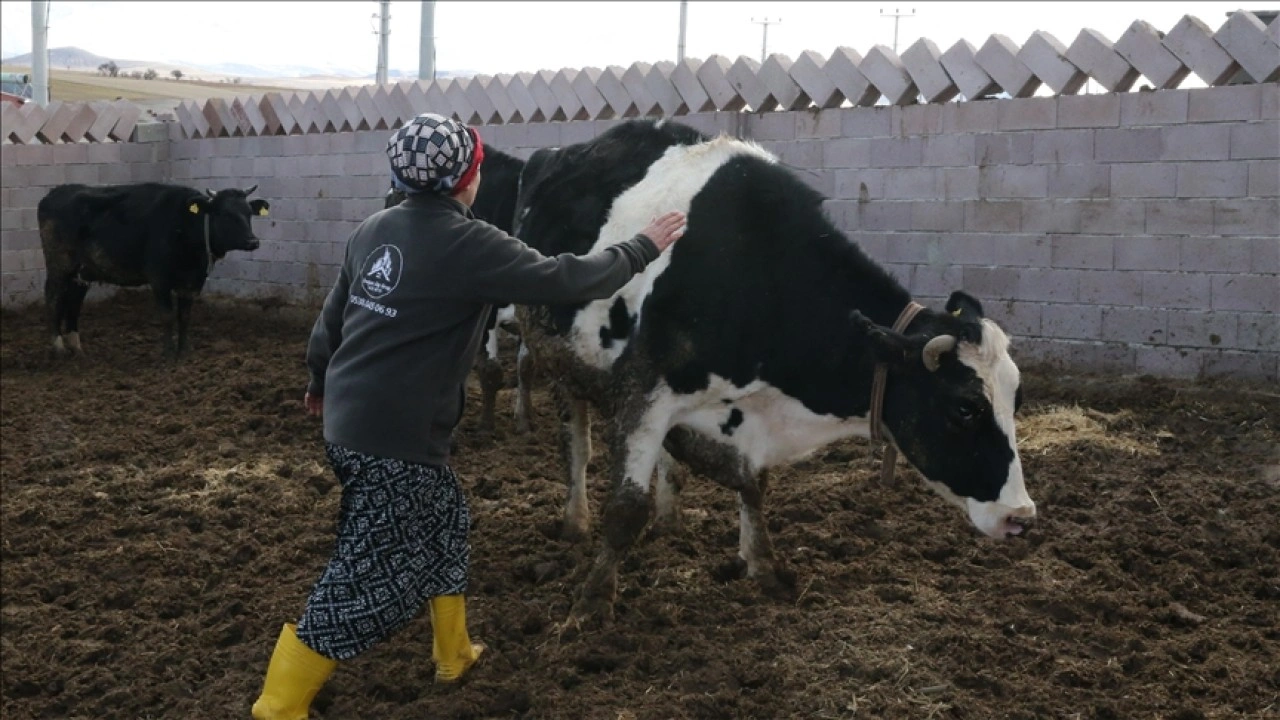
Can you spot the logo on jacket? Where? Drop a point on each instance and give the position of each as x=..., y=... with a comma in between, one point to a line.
x=381, y=273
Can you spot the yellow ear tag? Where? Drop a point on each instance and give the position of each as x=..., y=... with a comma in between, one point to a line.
x=195, y=209
x=957, y=311
x=262, y=211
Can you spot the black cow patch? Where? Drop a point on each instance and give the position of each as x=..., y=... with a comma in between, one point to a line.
x=620, y=324
x=735, y=419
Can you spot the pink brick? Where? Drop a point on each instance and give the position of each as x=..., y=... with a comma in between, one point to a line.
x=1078, y=322
x=1175, y=290
x=998, y=216
x=1196, y=328
x=937, y=216
x=1026, y=181
x=1016, y=148
x=1110, y=288
x=1128, y=145
x=1255, y=141
x=1229, y=102
x=949, y=150
x=1259, y=331
x=1048, y=285
x=1144, y=252
x=1162, y=107
x=1250, y=293
x=1170, y=362
x=1063, y=146
x=1265, y=255
x=1262, y=366
x=846, y=153
x=1089, y=111
x=1083, y=251
x=1143, y=180
x=1197, y=142
x=1079, y=181
x=1212, y=179
x=1247, y=216
x=996, y=283
x=1179, y=217
x=970, y=117
x=1264, y=179
x=1027, y=114
x=1134, y=325
x=1113, y=217
x=1050, y=216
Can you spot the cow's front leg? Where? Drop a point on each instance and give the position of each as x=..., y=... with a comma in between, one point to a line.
x=165, y=305
x=524, y=386
x=183, y=316
x=626, y=513
x=575, y=450
x=489, y=369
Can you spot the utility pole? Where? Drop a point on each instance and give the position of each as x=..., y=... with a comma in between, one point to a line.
x=896, y=16
x=40, y=51
x=427, y=42
x=764, y=43
x=383, y=33
x=684, y=19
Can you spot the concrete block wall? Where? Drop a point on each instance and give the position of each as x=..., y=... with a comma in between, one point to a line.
x=1133, y=233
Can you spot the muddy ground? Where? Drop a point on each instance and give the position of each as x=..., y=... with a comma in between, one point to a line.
x=161, y=520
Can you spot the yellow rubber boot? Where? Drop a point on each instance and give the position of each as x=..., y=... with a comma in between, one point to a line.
x=295, y=675
x=451, y=646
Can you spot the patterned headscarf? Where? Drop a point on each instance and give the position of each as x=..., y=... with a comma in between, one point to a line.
x=433, y=153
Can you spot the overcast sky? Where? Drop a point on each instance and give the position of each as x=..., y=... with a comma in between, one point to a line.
x=492, y=37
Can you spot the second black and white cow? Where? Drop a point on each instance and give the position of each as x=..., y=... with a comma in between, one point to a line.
x=165, y=236
x=495, y=204
x=753, y=342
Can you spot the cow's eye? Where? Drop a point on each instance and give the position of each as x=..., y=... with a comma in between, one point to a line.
x=966, y=411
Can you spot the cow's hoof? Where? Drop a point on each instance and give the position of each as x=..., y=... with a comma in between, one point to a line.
x=574, y=532
x=589, y=612
x=671, y=525
x=778, y=583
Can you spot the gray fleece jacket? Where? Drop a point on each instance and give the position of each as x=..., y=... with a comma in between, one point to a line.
x=399, y=331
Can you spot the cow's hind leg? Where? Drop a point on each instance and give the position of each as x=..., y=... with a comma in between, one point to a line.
x=668, y=480
x=75, y=295
x=57, y=288
x=575, y=449
x=726, y=466
x=626, y=512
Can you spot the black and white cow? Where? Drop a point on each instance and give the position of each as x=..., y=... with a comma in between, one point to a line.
x=165, y=236
x=495, y=203
x=753, y=342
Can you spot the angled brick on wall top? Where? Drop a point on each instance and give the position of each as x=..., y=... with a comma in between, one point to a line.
x=999, y=57
x=540, y=89
x=104, y=123
x=923, y=61
x=658, y=81
x=129, y=114
x=571, y=106
x=609, y=82
x=1247, y=40
x=587, y=87
x=960, y=62
x=744, y=75
x=1192, y=42
x=1097, y=56
x=886, y=72
x=1143, y=47
x=714, y=75
x=477, y=92
x=775, y=73
x=1045, y=55
x=684, y=77
x=808, y=73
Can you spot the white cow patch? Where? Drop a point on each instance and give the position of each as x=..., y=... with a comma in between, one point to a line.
x=670, y=184
x=991, y=361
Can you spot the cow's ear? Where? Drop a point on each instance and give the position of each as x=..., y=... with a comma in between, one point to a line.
x=259, y=206
x=198, y=206
x=889, y=346
x=968, y=310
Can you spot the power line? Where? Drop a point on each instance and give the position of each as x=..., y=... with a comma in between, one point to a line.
x=764, y=43
x=896, y=17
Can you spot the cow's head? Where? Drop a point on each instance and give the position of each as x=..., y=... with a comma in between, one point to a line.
x=949, y=405
x=229, y=212
x=393, y=198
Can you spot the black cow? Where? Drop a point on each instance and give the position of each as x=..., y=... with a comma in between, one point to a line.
x=495, y=204
x=753, y=342
x=165, y=236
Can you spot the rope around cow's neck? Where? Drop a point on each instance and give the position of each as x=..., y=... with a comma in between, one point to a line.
x=878, y=381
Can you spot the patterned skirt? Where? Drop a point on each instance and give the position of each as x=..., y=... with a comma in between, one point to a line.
x=402, y=539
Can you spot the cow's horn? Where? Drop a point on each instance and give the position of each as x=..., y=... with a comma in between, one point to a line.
x=934, y=348
x=250, y=190
x=211, y=193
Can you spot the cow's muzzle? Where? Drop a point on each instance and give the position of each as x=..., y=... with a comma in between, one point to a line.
x=253, y=244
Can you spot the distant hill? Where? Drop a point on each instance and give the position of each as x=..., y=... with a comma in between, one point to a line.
x=67, y=58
